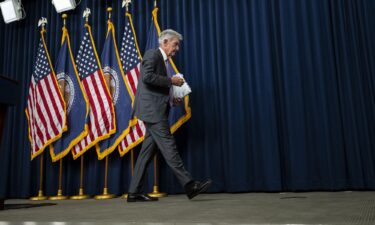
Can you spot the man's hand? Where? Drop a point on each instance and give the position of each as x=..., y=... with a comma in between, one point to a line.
x=177, y=81
x=177, y=101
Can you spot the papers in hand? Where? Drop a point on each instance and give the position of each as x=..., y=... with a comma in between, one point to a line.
x=180, y=92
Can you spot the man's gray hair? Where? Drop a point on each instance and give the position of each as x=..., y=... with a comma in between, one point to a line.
x=169, y=34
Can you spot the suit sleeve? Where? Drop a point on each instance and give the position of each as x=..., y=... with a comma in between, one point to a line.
x=149, y=76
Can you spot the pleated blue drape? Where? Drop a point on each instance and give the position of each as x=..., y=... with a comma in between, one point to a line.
x=283, y=94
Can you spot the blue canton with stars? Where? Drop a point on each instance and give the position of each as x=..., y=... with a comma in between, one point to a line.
x=86, y=61
x=128, y=53
x=41, y=66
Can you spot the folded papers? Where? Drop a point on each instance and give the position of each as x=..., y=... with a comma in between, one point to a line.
x=180, y=92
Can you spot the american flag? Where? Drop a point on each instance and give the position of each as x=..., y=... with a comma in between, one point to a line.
x=101, y=117
x=131, y=60
x=45, y=106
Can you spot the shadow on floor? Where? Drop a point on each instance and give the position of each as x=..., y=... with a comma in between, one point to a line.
x=24, y=206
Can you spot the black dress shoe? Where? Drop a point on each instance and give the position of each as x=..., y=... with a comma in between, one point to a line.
x=194, y=188
x=140, y=198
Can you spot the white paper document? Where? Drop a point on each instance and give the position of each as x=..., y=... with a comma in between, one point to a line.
x=180, y=92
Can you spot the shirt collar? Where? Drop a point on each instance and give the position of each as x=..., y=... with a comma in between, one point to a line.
x=165, y=57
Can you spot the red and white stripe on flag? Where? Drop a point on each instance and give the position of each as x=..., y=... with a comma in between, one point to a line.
x=137, y=132
x=131, y=61
x=102, y=117
x=45, y=109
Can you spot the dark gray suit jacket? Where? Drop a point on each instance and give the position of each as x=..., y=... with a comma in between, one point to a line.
x=151, y=102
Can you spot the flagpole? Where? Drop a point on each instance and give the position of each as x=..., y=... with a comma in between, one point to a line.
x=156, y=192
x=132, y=169
x=40, y=192
x=126, y=4
x=40, y=196
x=59, y=195
x=81, y=194
x=105, y=194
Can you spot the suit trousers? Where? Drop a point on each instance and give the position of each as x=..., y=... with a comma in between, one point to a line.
x=158, y=135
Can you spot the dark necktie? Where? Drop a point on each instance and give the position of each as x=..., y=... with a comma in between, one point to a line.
x=167, y=66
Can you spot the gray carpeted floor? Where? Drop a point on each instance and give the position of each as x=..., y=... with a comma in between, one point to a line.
x=248, y=208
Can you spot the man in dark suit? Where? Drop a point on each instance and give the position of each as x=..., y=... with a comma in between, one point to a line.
x=151, y=105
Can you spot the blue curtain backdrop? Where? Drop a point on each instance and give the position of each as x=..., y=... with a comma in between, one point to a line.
x=283, y=94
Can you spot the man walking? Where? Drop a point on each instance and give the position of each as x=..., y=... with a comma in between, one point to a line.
x=151, y=105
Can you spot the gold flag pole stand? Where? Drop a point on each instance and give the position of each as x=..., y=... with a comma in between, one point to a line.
x=105, y=194
x=81, y=194
x=132, y=165
x=40, y=196
x=59, y=195
x=156, y=192
x=40, y=193
x=125, y=196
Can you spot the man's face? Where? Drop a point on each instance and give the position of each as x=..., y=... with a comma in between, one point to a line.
x=171, y=46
